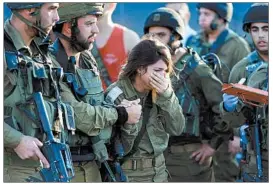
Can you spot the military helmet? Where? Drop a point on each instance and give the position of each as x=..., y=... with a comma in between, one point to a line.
x=69, y=11
x=224, y=10
x=19, y=6
x=258, y=12
x=165, y=17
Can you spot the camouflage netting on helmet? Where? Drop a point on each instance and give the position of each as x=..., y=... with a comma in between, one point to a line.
x=69, y=11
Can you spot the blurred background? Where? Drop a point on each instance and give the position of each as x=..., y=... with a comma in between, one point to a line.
x=133, y=15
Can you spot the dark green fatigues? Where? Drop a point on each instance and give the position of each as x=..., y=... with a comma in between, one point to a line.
x=199, y=94
x=230, y=48
x=255, y=70
x=90, y=116
x=147, y=164
x=19, y=85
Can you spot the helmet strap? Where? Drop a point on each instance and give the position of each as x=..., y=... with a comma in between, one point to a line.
x=74, y=26
x=75, y=45
x=74, y=31
x=42, y=33
x=169, y=44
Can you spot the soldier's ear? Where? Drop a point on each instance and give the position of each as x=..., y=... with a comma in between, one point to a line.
x=141, y=71
x=67, y=29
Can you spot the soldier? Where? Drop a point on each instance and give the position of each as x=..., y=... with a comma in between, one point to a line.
x=113, y=44
x=199, y=93
x=146, y=76
x=76, y=32
x=27, y=70
x=254, y=68
x=216, y=37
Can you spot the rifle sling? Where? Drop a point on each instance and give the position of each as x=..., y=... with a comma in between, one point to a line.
x=146, y=112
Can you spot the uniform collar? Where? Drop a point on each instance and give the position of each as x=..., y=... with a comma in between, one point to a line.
x=255, y=56
x=129, y=89
x=16, y=38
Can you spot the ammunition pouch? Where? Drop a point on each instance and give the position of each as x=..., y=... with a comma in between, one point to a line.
x=27, y=113
x=37, y=75
x=78, y=91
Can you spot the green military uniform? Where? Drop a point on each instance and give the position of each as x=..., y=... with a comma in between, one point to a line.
x=199, y=94
x=243, y=69
x=24, y=70
x=82, y=89
x=259, y=79
x=90, y=117
x=165, y=118
x=230, y=48
x=255, y=70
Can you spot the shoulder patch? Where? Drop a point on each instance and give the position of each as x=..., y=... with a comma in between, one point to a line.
x=113, y=95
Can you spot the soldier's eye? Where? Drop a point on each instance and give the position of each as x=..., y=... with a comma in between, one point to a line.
x=160, y=34
x=254, y=29
x=265, y=29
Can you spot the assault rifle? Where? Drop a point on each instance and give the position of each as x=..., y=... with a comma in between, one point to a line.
x=258, y=99
x=55, y=150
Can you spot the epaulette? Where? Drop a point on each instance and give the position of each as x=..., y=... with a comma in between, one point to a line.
x=113, y=95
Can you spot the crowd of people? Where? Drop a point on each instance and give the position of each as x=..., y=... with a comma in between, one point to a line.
x=134, y=108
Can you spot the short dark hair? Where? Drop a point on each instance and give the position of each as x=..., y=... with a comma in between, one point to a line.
x=145, y=53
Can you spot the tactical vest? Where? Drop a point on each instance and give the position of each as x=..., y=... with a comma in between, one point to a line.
x=188, y=102
x=254, y=62
x=254, y=65
x=85, y=84
x=87, y=76
x=92, y=83
x=197, y=43
x=34, y=74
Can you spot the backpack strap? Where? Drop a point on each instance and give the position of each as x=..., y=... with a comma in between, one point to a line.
x=223, y=38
